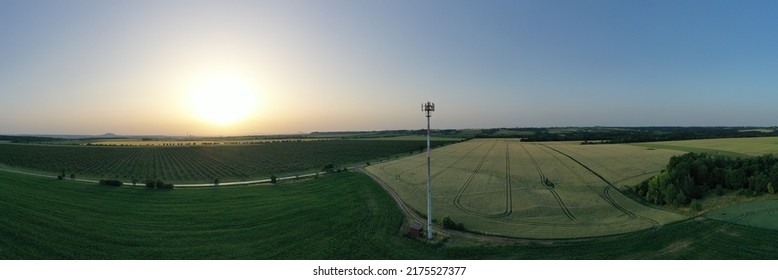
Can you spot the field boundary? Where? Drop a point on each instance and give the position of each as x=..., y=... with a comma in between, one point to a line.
x=410, y=214
x=508, y=184
x=198, y=185
x=606, y=192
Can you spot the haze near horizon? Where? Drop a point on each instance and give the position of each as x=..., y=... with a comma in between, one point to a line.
x=270, y=67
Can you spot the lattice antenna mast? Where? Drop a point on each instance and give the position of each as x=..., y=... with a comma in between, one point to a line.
x=428, y=108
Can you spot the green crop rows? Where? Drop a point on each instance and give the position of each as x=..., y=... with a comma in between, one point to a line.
x=200, y=163
x=342, y=216
x=331, y=217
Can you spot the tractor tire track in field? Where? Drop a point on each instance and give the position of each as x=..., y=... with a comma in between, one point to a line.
x=413, y=216
x=414, y=186
x=437, y=173
x=738, y=216
x=644, y=173
x=549, y=188
x=447, y=152
x=602, y=194
x=508, y=186
x=460, y=159
x=605, y=194
x=458, y=198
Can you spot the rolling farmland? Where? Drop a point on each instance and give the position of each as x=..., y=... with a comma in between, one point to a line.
x=341, y=216
x=200, y=164
x=532, y=190
x=739, y=147
x=497, y=187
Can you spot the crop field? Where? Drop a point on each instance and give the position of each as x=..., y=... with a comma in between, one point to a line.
x=340, y=216
x=761, y=214
x=739, y=147
x=532, y=190
x=203, y=163
x=619, y=164
x=141, y=142
x=544, y=190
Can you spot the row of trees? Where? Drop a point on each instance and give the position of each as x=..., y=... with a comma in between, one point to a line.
x=691, y=176
x=604, y=135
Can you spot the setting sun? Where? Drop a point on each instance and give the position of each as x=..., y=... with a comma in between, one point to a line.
x=223, y=100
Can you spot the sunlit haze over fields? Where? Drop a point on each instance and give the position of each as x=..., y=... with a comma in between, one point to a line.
x=269, y=67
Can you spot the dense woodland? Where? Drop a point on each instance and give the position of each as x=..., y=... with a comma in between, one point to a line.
x=693, y=175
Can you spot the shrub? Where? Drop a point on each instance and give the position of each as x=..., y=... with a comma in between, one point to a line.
x=159, y=184
x=696, y=205
x=273, y=179
x=115, y=183
x=746, y=192
x=448, y=223
x=719, y=190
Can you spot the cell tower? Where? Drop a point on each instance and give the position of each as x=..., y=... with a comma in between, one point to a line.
x=428, y=107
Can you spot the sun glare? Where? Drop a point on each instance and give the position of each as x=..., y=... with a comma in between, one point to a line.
x=223, y=100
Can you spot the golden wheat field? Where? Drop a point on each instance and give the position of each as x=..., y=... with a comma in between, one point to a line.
x=532, y=190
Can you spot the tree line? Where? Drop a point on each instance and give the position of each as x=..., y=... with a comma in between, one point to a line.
x=607, y=135
x=693, y=175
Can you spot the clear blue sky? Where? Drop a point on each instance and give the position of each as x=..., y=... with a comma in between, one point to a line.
x=129, y=67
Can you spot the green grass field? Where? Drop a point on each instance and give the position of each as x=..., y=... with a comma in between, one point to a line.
x=532, y=190
x=342, y=216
